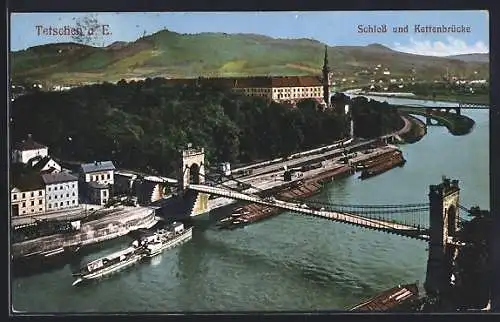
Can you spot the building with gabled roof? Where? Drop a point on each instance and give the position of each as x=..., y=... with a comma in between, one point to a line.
x=97, y=180
x=61, y=190
x=27, y=194
x=99, y=171
x=28, y=149
x=46, y=165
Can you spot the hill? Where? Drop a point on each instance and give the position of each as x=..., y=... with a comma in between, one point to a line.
x=170, y=54
x=479, y=58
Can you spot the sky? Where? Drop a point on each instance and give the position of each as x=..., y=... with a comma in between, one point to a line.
x=330, y=27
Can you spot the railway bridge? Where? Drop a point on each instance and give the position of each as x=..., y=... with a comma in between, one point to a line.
x=431, y=109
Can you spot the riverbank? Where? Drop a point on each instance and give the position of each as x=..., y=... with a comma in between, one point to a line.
x=417, y=130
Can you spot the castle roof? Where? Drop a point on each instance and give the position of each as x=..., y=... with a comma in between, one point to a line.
x=254, y=81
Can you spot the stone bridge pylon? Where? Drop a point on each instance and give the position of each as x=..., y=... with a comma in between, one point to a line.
x=192, y=171
x=443, y=224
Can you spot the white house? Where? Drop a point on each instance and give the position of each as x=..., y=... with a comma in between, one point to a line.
x=45, y=165
x=97, y=180
x=61, y=191
x=99, y=171
x=27, y=195
x=27, y=150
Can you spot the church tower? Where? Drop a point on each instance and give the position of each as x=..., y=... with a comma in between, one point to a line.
x=326, y=79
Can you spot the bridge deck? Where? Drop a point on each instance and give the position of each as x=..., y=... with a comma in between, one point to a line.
x=354, y=219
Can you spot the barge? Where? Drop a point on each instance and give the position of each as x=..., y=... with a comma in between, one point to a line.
x=394, y=161
x=399, y=298
x=300, y=189
x=255, y=212
x=376, y=160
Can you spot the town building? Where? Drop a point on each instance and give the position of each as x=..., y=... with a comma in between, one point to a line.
x=99, y=171
x=27, y=150
x=45, y=165
x=61, y=190
x=97, y=181
x=98, y=193
x=27, y=195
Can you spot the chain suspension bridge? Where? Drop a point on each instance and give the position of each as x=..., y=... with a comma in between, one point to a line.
x=408, y=220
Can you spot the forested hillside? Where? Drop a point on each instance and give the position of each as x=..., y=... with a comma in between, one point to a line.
x=142, y=125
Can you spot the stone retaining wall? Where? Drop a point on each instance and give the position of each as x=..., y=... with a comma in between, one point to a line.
x=90, y=233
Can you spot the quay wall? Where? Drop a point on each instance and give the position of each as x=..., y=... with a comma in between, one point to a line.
x=90, y=233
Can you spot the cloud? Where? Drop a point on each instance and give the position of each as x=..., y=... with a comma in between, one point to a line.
x=453, y=46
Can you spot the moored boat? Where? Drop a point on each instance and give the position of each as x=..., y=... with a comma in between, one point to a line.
x=163, y=239
x=109, y=264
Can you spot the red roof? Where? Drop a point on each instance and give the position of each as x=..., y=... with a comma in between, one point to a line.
x=296, y=81
x=254, y=81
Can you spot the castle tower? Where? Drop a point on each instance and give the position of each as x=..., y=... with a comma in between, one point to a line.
x=326, y=79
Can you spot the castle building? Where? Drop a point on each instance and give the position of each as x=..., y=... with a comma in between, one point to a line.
x=282, y=89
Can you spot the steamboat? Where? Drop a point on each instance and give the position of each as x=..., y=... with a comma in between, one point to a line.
x=147, y=246
x=163, y=239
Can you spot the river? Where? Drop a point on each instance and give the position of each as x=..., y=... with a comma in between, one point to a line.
x=290, y=262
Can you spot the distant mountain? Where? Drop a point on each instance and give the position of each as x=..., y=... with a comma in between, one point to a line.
x=378, y=47
x=170, y=54
x=478, y=58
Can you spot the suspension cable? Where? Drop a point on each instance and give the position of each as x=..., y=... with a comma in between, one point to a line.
x=415, y=206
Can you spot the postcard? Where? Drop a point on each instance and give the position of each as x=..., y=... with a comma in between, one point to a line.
x=176, y=162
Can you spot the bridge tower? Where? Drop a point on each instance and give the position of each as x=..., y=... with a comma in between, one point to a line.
x=192, y=171
x=443, y=220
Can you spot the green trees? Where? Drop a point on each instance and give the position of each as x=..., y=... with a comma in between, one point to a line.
x=141, y=125
x=373, y=119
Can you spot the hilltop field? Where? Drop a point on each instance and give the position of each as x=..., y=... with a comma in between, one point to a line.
x=174, y=55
